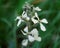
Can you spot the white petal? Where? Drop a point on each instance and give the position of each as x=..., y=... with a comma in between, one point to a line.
x=38, y=39
x=25, y=42
x=24, y=14
x=42, y=27
x=34, y=21
x=37, y=9
x=36, y=15
x=27, y=18
x=18, y=17
x=23, y=33
x=19, y=22
x=44, y=21
x=26, y=29
x=30, y=38
x=34, y=32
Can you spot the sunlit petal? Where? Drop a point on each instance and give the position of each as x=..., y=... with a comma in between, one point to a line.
x=25, y=42
x=26, y=29
x=18, y=17
x=31, y=38
x=23, y=33
x=24, y=14
x=44, y=21
x=37, y=9
x=42, y=27
x=38, y=39
x=34, y=32
x=34, y=20
x=19, y=22
x=36, y=15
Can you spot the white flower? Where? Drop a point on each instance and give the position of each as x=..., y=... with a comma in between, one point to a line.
x=40, y=22
x=24, y=16
x=32, y=36
x=37, y=8
x=20, y=20
x=34, y=33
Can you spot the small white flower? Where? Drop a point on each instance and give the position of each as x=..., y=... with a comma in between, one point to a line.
x=33, y=36
x=25, y=42
x=20, y=20
x=35, y=33
x=37, y=9
x=40, y=22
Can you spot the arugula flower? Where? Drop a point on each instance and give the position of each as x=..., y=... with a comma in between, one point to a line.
x=32, y=36
x=39, y=21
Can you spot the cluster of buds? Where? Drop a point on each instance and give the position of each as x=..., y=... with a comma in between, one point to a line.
x=30, y=17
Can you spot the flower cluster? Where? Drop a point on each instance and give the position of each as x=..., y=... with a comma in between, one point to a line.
x=29, y=14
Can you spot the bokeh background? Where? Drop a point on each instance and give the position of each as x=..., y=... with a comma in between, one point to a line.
x=9, y=9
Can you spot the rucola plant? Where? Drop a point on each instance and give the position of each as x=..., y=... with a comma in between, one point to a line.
x=30, y=17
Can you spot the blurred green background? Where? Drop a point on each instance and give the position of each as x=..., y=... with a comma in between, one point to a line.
x=9, y=9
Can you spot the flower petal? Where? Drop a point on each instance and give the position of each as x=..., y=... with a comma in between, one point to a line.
x=34, y=20
x=24, y=14
x=18, y=17
x=36, y=15
x=42, y=27
x=23, y=33
x=44, y=21
x=31, y=38
x=34, y=32
x=19, y=22
x=38, y=39
x=37, y=9
x=26, y=29
x=25, y=42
